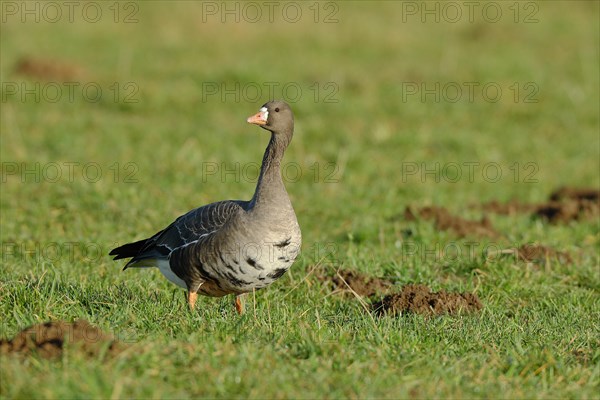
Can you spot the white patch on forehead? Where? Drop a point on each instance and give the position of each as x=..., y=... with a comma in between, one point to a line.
x=265, y=113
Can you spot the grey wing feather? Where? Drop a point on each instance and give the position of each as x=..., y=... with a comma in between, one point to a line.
x=186, y=229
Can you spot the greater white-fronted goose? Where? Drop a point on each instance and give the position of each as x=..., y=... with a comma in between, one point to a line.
x=232, y=246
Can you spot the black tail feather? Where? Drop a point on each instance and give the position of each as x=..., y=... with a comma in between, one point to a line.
x=128, y=250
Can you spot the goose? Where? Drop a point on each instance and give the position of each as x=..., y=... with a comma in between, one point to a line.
x=232, y=246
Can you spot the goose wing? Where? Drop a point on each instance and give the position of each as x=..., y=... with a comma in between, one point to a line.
x=188, y=228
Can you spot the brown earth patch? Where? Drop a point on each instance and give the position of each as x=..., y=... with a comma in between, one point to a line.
x=419, y=299
x=564, y=205
x=510, y=208
x=49, y=339
x=571, y=204
x=575, y=194
x=541, y=254
x=48, y=70
x=347, y=281
x=446, y=221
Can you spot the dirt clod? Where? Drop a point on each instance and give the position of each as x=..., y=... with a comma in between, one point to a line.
x=541, y=254
x=446, y=221
x=575, y=194
x=361, y=284
x=49, y=339
x=565, y=204
x=48, y=70
x=570, y=210
x=568, y=204
x=419, y=299
x=511, y=208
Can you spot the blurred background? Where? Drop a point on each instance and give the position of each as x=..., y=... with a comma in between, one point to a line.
x=117, y=117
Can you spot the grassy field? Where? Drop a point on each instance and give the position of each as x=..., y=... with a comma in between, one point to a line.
x=112, y=128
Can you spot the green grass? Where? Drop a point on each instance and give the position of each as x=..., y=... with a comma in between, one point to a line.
x=538, y=334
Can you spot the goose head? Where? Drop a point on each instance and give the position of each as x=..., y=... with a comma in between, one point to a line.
x=275, y=116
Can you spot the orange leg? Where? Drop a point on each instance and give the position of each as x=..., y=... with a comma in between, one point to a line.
x=240, y=303
x=191, y=299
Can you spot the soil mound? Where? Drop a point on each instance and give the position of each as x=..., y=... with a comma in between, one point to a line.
x=446, y=221
x=564, y=205
x=361, y=284
x=575, y=194
x=48, y=70
x=541, y=254
x=511, y=208
x=48, y=340
x=571, y=204
x=419, y=299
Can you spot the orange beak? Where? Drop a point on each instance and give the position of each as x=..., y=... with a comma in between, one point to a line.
x=260, y=118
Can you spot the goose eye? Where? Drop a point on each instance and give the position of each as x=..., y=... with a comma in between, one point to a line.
x=277, y=109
